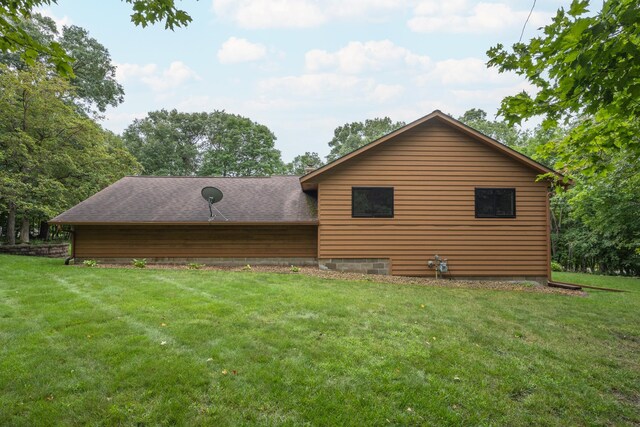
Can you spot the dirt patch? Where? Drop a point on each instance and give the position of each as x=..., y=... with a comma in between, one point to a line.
x=398, y=280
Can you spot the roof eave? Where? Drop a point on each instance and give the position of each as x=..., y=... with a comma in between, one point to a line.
x=63, y=222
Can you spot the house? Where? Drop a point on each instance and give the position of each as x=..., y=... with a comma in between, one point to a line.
x=432, y=187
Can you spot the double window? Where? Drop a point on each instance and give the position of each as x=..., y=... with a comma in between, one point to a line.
x=372, y=202
x=495, y=202
x=377, y=202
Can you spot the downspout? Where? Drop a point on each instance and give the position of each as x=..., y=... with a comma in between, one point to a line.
x=548, y=219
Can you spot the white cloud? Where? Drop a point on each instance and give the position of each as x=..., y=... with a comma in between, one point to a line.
x=60, y=22
x=312, y=85
x=357, y=57
x=271, y=103
x=384, y=93
x=465, y=72
x=460, y=16
x=125, y=72
x=174, y=76
x=271, y=13
x=196, y=103
x=369, y=9
x=236, y=50
x=491, y=95
x=333, y=87
x=177, y=73
x=259, y=14
x=451, y=16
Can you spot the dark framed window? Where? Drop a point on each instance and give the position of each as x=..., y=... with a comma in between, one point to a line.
x=372, y=202
x=495, y=202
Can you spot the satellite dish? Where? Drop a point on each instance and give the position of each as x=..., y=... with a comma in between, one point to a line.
x=211, y=194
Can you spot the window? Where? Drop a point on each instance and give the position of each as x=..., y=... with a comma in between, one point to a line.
x=495, y=202
x=372, y=202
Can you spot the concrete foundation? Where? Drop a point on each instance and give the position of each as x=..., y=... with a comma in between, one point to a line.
x=358, y=265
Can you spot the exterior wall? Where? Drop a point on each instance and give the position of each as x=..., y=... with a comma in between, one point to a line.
x=434, y=170
x=196, y=242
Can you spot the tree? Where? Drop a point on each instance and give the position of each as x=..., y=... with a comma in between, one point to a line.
x=94, y=79
x=30, y=115
x=300, y=163
x=52, y=156
x=596, y=224
x=237, y=146
x=352, y=136
x=499, y=130
x=16, y=39
x=585, y=70
x=167, y=142
x=218, y=143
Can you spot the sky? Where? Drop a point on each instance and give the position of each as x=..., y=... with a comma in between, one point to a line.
x=305, y=67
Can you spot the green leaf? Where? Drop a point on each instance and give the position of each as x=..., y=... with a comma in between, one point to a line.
x=578, y=7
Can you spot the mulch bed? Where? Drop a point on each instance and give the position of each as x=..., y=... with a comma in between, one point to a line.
x=398, y=280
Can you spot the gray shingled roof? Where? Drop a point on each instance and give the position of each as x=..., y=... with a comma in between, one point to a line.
x=177, y=200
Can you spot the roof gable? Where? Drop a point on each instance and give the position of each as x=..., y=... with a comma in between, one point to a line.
x=442, y=118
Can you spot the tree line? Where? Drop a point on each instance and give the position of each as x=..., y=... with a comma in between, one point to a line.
x=53, y=153
x=224, y=144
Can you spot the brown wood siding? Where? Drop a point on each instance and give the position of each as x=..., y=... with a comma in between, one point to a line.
x=434, y=170
x=196, y=241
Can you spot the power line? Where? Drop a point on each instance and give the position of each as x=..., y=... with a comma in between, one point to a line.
x=525, y=22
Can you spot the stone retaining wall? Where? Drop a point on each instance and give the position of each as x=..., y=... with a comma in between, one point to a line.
x=358, y=265
x=60, y=250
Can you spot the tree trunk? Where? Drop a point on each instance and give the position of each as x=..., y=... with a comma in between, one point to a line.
x=54, y=232
x=43, y=234
x=11, y=224
x=24, y=230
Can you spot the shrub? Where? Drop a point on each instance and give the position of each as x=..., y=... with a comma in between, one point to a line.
x=194, y=266
x=294, y=269
x=90, y=262
x=556, y=266
x=139, y=263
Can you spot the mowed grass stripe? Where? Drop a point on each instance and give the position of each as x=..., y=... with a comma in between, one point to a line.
x=44, y=344
x=115, y=349
x=155, y=335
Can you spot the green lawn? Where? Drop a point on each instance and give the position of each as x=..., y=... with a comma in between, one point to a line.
x=146, y=347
